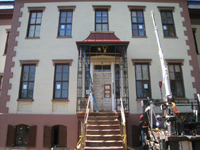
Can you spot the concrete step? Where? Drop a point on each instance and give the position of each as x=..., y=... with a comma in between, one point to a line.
x=100, y=122
x=103, y=114
x=102, y=131
x=102, y=117
x=103, y=126
x=100, y=143
x=104, y=137
x=104, y=148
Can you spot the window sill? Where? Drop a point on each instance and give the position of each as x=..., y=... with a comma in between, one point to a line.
x=139, y=36
x=32, y=38
x=60, y=100
x=170, y=37
x=63, y=37
x=25, y=100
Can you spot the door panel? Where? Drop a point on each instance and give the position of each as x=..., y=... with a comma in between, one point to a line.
x=103, y=104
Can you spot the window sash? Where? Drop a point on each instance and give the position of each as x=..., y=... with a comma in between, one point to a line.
x=22, y=136
x=176, y=80
x=65, y=23
x=7, y=40
x=142, y=78
x=101, y=25
x=34, y=25
x=138, y=25
x=168, y=23
x=61, y=81
x=27, y=81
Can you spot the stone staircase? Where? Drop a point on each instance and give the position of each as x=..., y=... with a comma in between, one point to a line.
x=103, y=132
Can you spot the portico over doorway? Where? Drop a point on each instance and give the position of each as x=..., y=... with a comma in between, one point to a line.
x=106, y=56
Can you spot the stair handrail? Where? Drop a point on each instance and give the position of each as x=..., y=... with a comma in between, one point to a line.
x=123, y=119
x=81, y=142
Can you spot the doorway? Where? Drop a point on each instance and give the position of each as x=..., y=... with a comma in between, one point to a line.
x=102, y=87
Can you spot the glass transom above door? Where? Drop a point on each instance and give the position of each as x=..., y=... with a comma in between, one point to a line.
x=102, y=68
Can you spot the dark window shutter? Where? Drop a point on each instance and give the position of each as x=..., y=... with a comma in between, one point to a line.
x=32, y=136
x=10, y=136
x=62, y=136
x=47, y=136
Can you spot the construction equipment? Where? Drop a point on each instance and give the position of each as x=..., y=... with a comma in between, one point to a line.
x=172, y=137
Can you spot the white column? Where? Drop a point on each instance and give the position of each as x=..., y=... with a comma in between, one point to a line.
x=113, y=84
x=91, y=73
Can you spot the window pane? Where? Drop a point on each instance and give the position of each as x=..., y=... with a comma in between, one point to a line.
x=31, y=31
x=169, y=20
x=26, y=129
x=134, y=19
x=58, y=68
x=63, y=14
x=63, y=20
x=141, y=32
x=179, y=88
x=135, y=32
x=24, y=89
x=164, y=20
x=25, y=140
x=19, y=139
x=133, y=13
x=104, y=27
x=106, y=68
x=65, y=68
x=163, y=14
x=58, y=85
x=19, y=129
x=145, y=72
x=139, y=89
x=25, y=73
x=58, y=76
x=32, y=21
x=65, y=85
x=104, y=13
x=37, y=31
x=65, y=76
x=135, y=26
x=172, y=76
x=57, y=93
x=139, y=14
x=138, y=72
x=64, y=93
x=39, y=20
x=177, y=68
x=171, y=68
x=146, y=88
x=104, y=19
x=178, y=75
x=140, y=20
x=98, y=27
x=69, y=14
x=98, y=68
x=169, y=14
x=98, y=19
x=32, y=73
x=30, y=89
x=39, y=14
x=173, y=87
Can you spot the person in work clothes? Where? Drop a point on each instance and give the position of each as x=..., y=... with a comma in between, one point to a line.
x=144, y=128
x=159, y=122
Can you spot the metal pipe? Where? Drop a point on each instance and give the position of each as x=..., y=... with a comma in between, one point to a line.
x=162, y=61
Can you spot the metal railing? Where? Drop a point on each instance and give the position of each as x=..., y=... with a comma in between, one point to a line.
x=123, y=128
x=81, y=142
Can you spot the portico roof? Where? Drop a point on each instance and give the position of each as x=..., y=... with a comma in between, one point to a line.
x=102, y=37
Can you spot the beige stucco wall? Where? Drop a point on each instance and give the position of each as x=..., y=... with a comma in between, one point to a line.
x=49, y=47
x=3, y=37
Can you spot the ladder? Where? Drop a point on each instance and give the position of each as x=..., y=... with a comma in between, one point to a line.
x=90, y=78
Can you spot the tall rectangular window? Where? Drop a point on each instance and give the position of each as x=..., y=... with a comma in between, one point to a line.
x=27, y=81
x=168, y=24
x=61, y=81
x=87, y=81
x=138, y=28
x=142, y=80
x=176, y=80
x=65, y=23
x=34, y=25
x=101, y=20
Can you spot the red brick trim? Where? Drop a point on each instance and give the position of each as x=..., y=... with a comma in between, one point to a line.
x=191, y=51
x=11, y=53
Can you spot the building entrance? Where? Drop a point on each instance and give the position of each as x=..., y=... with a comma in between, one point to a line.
x=102, y=87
